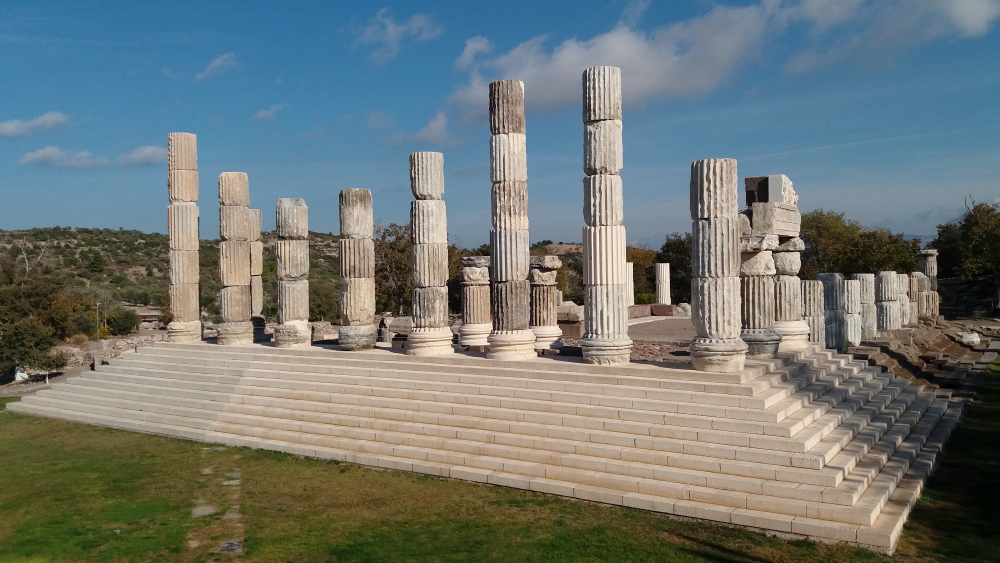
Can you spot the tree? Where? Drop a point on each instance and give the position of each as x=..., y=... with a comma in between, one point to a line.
x=676, y=251
x=835, y=244
x=393, y=278
x=969, y=246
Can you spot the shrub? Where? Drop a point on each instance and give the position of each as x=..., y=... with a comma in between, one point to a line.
x=123, y=321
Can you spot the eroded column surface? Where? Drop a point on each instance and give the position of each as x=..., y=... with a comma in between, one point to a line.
x=357, y=270
x=182, y=229
x=605, y=338
x=887, y=313
x=833, y=309
x=256, y=285
x=852, y=312
x=715, y=258
x=663, y=283
x=477, y=322
x=235, y=229
x=866, y=291
x=430, y=335
x=291, y=251
x=544, y=301
x=813, y=310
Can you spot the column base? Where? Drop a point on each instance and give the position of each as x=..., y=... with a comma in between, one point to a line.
x=293, y=334
x=547, y=337
x=429, y=342
x=357, y=337
x=235, y=333
x=718, y=355
x=184, y=331
x=794, y=335
x=474, y=334
x=762, y=343
x=605, y=351
x=511, y=345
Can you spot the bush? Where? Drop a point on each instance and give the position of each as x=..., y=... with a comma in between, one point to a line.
x=78, y=339
x=123, y=321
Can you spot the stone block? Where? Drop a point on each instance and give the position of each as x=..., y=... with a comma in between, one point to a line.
x=835, y=334
x=833, y=291
x=357, y=337
x=476, y=261
x=430, y=307
x=234, y=333
x=713, y=188
x=182, y=226
x=256, y=258
x=508, y=158
x=256, y=296
x=604, y=255
x=852, y=297
x=755, y=243
x=887, y=315
x=357, y=301
x=915, y=285
x=545, y=262
x=235, y=223
x=606, y=310
x=234, y=189
x=234, y=303
x=234, y=262
x=292, y=218
x=914, y=312
x=787, y=263
x=602, y=93
x=184, y=302
x=904, y=284
x=639, y=311
x=255, y=224
x=507, y=107
x=182, y=151
x=184, y=267
x=356, y=219
x=509, y=203
x=757, y=264
x=602, y=147
x=427, y=175
x=867, y=284
x=509, y=255
x=292, y=258
x=776, y=219
x=293, y=300
x=429, y=264
x=357, y=257
x=787, y=298
x=715, y=247
x=852, y=329
x=817, y=329
x=428, y=221
x=182, y=185
x=542, y=277
x=510, y=304
x=475, y=276
x=813, y=299
x=793, y=244
x=570, y=313
x=886, y=286
x=776, y=188
x=715, y=307
x=869, y=322
x=664, y=310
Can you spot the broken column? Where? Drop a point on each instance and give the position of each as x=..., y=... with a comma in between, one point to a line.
x=256, y=285
x=833, y=310
x=663, y=283
x=914, y=295
x=813, y=310
x=928, y=266
x=544, y=301
x=291, y=251
x=476, y=320
x=235, y=226
x=866, y=291
x=357, y=270
x=715, y=258
x=757, y=295
x=431, y=335
x=887, y=301
x=923, y=298
x=182, y=229
x=788, y=321
x=904, y=299
x=605, y=339
x=852, y=312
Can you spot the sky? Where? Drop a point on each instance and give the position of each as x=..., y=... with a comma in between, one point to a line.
x=886, y=110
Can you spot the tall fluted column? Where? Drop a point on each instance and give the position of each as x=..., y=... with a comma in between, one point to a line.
x=715, y=257
x=833, y=310
x=235, y=226
x=788, y=321
x=812, y=310
x=629, y=284
x=430, y=335
x=511, y=337
x=663, y=283
x=291, y=252
x=605, y=337
x=182, y=228
x=887, y=301
x=256, y=285
x=357, y=271
x=866, y=291
x=544, y=301
x=476, y=320
x=852, y=312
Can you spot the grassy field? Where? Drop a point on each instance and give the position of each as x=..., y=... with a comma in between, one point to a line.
x=79, y=493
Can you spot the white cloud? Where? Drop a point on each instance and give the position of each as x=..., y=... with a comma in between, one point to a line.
x=144, y=156
x=270, y=113
x=380, y=121
x=171, y=74
x=633, y=12
x=473, y=46
x=384, y=31
x=221, y=63
x=436, y=131
x=45, y=122
x=55, y=156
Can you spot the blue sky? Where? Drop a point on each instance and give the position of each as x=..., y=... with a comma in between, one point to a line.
x=886, y=110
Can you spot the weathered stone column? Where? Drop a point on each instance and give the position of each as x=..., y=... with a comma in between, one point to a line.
x=256, y=285
x=431, y=335
x=923, y=295
x=291, y=252
x=357, y=270
x=544, y=300
x=182, y=228
x=866, y=291
x=476, y=320
x=715, y=258
x=833, y=310
x=904, y=299
x=887, y=301
x=605, y=338
x=812, y=310
x=914, y=295
x=235, y=226
x=663, y=283
x=629, y=284
x=757, y=295
x=788, y=320
x=928, y=266
x=852, y=312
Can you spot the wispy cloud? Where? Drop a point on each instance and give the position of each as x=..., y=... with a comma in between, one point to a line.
x=435, y=132
x=382, y=30
x=220, y=64
x=46, y=122
x=270, y=113
x=144, y=156
x=473, y=46
x=55, y=156
x=380, y=121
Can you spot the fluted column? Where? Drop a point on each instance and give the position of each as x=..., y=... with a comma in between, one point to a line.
x=511, y=338
x=866, y=292
x=182, y=229
x=914, y=296
x=887, y=313
x=757, y=295
x=788, y=321
x=833, y=310
x=357, y=271
x=235, y=226
x=477, y=323
x=605, y=337
x=544, y=301
x=663, y=283
x=928, y=267
x=256, y=285
x=812, y=310
x=904, y=299
x=715, y=257
x=291, y=251
x=430, y=335
x=852, y=312
x=922, y=284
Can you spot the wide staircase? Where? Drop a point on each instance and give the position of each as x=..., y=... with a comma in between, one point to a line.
x=812, y=444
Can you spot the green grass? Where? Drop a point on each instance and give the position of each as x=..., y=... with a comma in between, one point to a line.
x=79, y=493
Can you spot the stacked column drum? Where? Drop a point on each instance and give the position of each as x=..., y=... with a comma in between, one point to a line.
x=833, y=309
x=256, y=284
x=182, y=227
x=757, y=293
x=903, y=297
x=291, y=251
x=788, y=320
x=869, y=325
x=544, y=301
x=928, y=267
x=852, y=312
x=357, y=271
x=235, y=230
x=887, y=313
x=813, y=303
x=477, y=322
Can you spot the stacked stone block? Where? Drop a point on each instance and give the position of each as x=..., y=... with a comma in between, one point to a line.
x=715, y=258
x=544, y=301
x=866, y=283
x=606, y=280
x=887, y=301
x=182, y=228
x=235, y=229
x=813, y=305
x=477, y=323
x=663, y=283
x=357, y=270
x=852, y=312
x=431, y=335
x=256, y=285
x=834, y=310
x=291, y=251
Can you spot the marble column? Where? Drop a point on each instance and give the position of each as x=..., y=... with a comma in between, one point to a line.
x=291, y=251
x=235, y=226
x=923, y=299
x=928, y=266
x=663, y=283
x=357, y=271
x=833, y=310
x=477, y=323
x=715, y=257
x=256, y=285
x=903, y=297
x=887, y=301
x=852, y=312
x=788, y=321
x=629, y=284
x=914, y=296
x=813, y=310
x=430, y=335
x=866, y=291
x=544, y=301
x=182, y=228
x=757, y=295
x=605, y=338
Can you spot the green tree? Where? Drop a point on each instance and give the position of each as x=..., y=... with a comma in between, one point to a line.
x=393, y=282
x=676, y=251
x=836, y=244
x=969, y=246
